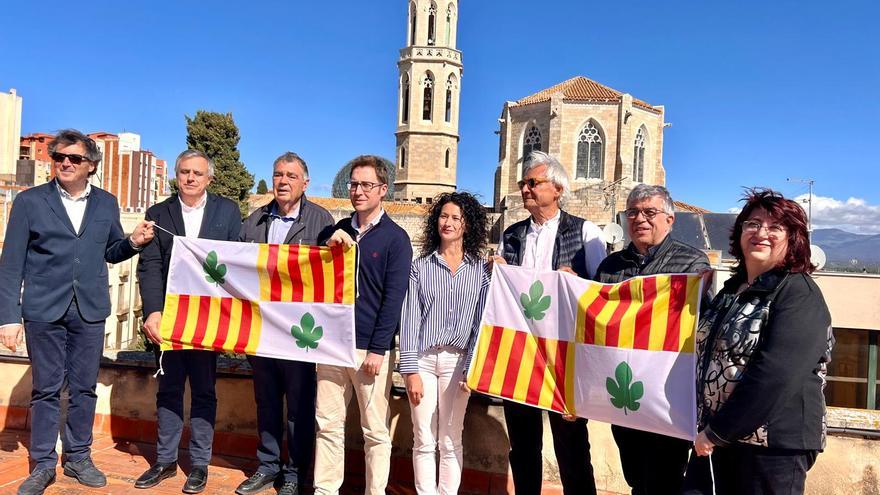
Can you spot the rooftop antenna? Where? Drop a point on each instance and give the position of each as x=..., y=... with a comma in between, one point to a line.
x=809, y=181
x=609, y=192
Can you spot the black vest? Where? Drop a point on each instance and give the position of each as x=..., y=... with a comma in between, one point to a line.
x=568, y=249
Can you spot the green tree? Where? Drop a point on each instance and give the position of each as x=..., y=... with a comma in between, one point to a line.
x=216, y=135
x=262, y=188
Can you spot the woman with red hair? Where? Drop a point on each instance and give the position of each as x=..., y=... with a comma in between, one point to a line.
x=763, y=345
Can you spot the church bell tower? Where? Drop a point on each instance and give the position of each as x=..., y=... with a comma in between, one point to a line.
x=428, y=99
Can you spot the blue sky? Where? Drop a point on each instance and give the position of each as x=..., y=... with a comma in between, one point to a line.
x=756, y=91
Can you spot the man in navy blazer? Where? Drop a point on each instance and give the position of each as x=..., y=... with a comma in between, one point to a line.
x=59, y=239
x=192, y=212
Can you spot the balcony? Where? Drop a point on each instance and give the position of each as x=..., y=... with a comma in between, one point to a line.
x=431, y=54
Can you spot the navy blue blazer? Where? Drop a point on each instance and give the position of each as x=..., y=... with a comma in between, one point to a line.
x=221, y=222
x=55, y=263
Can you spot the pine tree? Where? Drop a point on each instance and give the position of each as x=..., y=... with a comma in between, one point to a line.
x=262, y=188
x=216, y=135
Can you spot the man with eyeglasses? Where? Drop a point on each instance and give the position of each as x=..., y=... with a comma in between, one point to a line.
x=194, y=213
x=550, y=239
x=59, y=239
x=288, y=219
x=652, y=463
x=384, y=257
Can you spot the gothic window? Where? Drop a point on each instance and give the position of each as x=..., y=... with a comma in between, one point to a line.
x=403, y=157
x=412, y=24
x=447, y=157
x=531, y=142
x=404, y=105
x=590, y=152
x=432, y=25
x=639, y=156
x=428, y=97
x=450, y=82
x=449, y=26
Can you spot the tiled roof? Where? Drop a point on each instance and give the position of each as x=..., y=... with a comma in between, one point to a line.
x=581, y=88
x=391, y=207
x=680, y=206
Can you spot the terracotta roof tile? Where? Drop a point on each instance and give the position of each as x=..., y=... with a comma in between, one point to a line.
x=680, y=206
x=581, y=88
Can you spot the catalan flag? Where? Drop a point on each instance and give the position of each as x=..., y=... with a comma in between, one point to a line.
x=291, y=302
x=621, y=353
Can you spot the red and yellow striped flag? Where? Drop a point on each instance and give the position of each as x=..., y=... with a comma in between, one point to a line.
x=299, y=273
x=647, y=313
x=525, y=368
x=213, y=323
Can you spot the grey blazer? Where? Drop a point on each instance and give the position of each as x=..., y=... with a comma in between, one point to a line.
x=314, y=225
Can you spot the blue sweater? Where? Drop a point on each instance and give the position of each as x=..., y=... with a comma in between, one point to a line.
x=384, y=258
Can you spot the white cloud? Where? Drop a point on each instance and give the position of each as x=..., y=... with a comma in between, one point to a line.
x=853, y=215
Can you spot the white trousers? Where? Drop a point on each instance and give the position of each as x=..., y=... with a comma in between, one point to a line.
x=335, y=385
x=438, y=421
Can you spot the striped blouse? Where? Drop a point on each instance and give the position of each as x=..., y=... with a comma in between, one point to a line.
x=441, y=309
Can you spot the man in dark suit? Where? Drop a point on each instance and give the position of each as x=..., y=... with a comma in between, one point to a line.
x=59, y=239
x=289, y=219
x=192, y=212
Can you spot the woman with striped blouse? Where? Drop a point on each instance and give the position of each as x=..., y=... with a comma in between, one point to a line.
x=438, y=328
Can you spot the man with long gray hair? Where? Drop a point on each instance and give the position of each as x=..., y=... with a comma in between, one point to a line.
x=652, y=463
x=195, y=213
x=550, y=239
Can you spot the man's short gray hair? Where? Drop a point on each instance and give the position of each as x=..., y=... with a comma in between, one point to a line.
x=643, y=192
x=291, y=157
x=555, y=171
x=186, y=155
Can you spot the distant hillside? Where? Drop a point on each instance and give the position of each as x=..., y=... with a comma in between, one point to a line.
x=840, y=247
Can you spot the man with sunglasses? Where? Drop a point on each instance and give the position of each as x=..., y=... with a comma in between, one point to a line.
x=550, y=239
x=384, y=258
x=59, y=239
x=652, y=463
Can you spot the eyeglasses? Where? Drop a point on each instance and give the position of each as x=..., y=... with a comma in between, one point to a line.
x=532, y=182
x=753, y=226
x=74, y=158
x=649, y=213
x=365, y=186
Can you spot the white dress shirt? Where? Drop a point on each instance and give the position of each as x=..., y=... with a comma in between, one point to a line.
x=540, y=241
x=75, y=207
x=362, y=231
x=192, y=217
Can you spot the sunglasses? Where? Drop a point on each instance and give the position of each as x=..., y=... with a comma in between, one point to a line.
x=532, y=182
x=74, y=158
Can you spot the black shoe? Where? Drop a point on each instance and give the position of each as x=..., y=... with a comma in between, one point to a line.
x=36, y=483
x=256, y=483
x=196, y=480
x=156, y=474
x=289, y=488
x=85, y=472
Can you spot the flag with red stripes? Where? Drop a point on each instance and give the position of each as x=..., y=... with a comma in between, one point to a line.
x=292, y=302
x=621, y=353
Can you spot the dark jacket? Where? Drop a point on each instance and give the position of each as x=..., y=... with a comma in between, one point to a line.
x=54, y=262
x=221, y=222
x=670, y=256
x=763, y=356
x=384, y=258
x=568, y=248
x=313, y=226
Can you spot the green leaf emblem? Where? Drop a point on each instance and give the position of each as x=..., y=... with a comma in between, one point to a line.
x=214, y=273
x=624, y=393
x=307, y=334
x=534, y=305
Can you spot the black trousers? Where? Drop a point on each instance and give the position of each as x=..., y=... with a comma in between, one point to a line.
x=525, y=428
x=278, y=382
x=64, y=351
x=200, y=367
x=750, y=470
x=652, y=464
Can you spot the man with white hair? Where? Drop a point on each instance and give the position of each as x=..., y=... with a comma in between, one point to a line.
x=550, y=239
x=652, y=463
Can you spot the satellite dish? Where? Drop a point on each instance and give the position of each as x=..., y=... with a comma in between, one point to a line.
x=612, y=233
x=817, y=256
